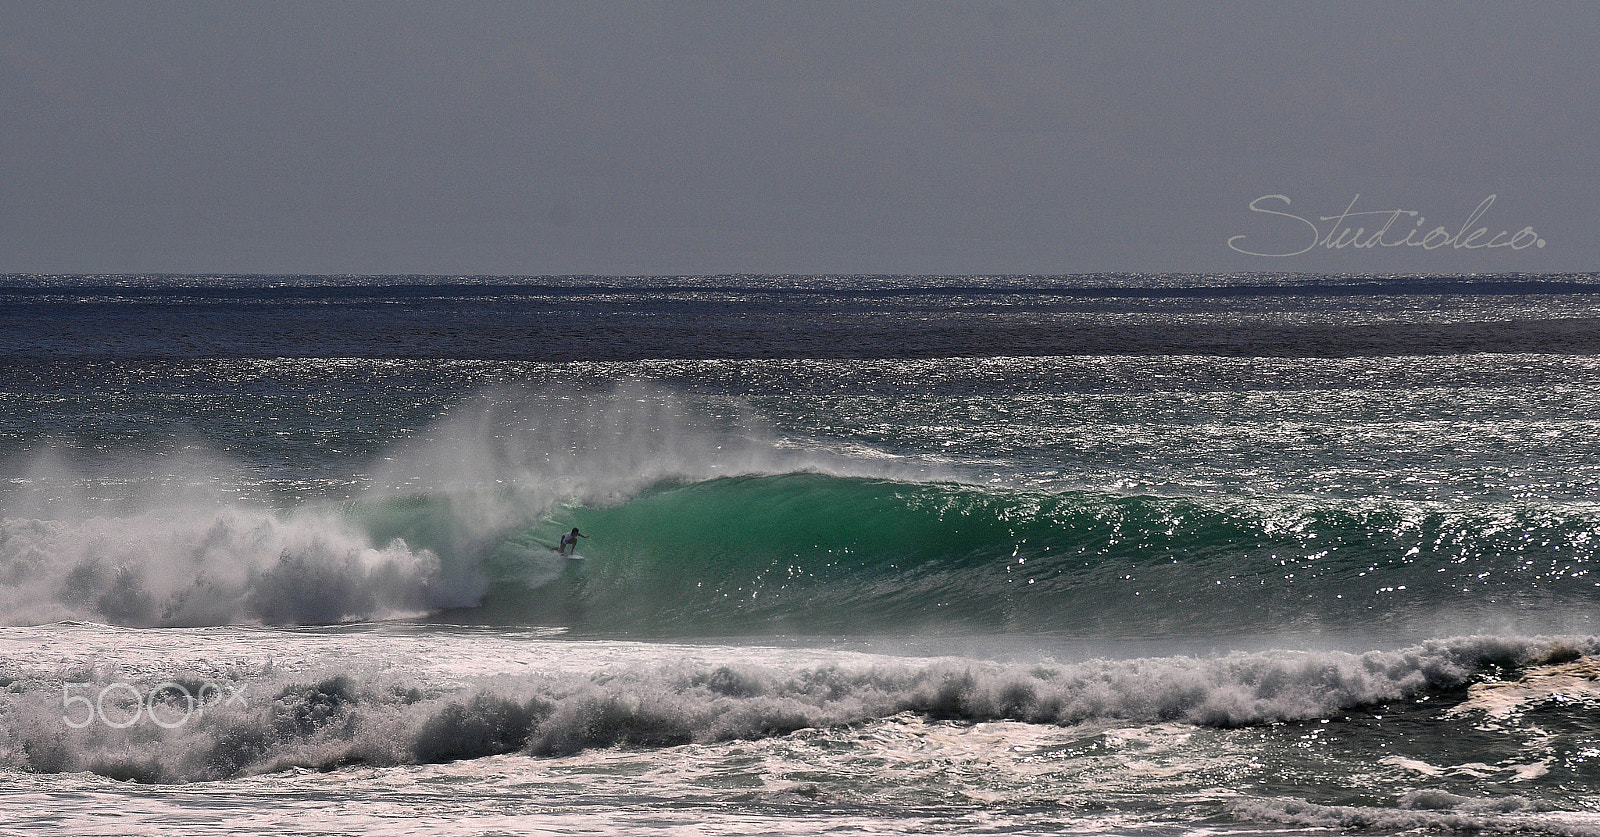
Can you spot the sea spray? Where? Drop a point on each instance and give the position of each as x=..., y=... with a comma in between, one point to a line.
x=413, y=541
x=209, y=568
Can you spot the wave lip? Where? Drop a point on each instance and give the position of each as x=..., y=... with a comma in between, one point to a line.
x=702, y=523
x=819, y=553
x=807, y=552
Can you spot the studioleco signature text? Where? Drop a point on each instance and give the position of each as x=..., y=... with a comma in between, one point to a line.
x=1389, y=228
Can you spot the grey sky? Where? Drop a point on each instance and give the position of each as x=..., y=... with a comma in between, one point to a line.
x=682, y=137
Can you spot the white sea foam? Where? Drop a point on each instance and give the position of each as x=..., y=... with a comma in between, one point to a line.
x=1571, y=681
x=207, y=567
x=322, y=700
x=1425, y=811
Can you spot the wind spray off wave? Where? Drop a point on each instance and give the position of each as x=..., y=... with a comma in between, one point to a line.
x=414, y=540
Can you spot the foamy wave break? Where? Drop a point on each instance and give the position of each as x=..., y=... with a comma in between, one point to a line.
x=260, y=720
x=219, y=567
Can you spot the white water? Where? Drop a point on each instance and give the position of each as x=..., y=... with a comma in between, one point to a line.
x=1139, y=731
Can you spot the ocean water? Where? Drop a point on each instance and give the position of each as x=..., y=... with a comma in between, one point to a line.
x=1121, y=554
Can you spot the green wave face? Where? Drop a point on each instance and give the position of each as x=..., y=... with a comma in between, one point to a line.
x=807, y=553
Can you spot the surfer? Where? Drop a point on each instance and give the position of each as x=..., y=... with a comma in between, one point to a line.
x=570, y=539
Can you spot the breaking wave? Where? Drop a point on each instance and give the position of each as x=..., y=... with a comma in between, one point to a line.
x=113, y=542
x=821, y=553
x=701, y=523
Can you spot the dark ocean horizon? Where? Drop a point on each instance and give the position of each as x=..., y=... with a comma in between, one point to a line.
x=637, y=318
